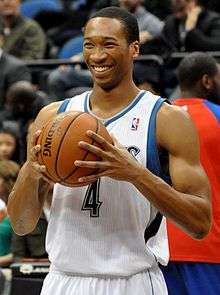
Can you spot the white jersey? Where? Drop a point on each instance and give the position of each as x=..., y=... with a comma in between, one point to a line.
x=109, y=228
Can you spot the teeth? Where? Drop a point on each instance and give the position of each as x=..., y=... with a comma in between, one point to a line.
x=101, y=69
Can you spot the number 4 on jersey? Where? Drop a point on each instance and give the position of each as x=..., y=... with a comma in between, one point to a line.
x=91, y=201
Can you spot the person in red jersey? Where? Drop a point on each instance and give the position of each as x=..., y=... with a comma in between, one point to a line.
x=194, y=266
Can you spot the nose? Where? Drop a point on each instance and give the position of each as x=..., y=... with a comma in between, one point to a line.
x=98, y=55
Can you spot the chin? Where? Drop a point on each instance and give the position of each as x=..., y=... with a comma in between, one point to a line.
x=107, y=86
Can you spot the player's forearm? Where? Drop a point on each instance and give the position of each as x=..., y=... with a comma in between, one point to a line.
x=190, y=212
x=26, y=201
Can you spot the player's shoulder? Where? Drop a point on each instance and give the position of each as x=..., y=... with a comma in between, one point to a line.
x=173, y=124
x=46, y=113
x=51, y=108
x=170, y=113
x=80, y=98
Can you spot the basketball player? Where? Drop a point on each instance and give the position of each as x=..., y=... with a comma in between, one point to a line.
x=109, y=237
x=195, y=265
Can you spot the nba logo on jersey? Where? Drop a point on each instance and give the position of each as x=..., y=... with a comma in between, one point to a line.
x=135, y=123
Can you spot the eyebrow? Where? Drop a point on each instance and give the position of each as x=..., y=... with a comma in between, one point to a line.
x=106, y=38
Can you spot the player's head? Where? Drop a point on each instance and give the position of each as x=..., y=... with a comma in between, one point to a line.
x=199, y=73
x=111, y=42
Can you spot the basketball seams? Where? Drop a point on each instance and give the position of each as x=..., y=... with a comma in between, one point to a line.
x=61, y=142
x=61, y=147
x=85, y=155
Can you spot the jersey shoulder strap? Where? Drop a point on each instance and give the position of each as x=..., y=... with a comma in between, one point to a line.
x=63, y=106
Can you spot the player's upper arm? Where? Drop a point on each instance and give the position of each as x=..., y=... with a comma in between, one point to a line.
x=177, y=134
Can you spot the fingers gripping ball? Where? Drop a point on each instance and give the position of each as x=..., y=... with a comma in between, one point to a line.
x=59, y=146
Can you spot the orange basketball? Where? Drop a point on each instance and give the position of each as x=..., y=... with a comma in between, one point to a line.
x=59, y=146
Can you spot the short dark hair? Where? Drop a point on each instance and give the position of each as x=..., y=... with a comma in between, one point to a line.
x=127, y=19
x=192, y=68
x=22, y=92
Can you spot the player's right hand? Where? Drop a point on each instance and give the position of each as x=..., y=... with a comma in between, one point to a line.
x=37, y=170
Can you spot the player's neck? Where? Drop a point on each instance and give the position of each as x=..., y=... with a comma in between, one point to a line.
x=191, y=94
x=105, y=104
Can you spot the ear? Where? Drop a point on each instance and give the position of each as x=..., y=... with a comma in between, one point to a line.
x=135, y=47
x=207, y=82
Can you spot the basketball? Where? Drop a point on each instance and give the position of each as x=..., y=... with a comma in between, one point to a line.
x=59, y=146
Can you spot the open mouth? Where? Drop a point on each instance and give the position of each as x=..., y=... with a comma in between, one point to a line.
x=101, y=69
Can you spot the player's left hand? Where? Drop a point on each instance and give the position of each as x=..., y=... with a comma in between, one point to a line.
x=116, y=162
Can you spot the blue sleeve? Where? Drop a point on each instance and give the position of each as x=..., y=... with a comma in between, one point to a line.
x=214, y=108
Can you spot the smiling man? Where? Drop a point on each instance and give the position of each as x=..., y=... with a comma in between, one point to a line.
x=116, y=251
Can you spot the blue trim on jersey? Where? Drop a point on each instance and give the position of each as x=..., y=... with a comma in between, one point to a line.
x=122, y=113
x=63, y=106
x=153, y=161
x=215, y=109
x=86, y=103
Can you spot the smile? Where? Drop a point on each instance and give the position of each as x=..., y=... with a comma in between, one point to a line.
x=101, y=69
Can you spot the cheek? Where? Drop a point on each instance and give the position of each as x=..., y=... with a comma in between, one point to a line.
x=11, y=149
x=85, y=55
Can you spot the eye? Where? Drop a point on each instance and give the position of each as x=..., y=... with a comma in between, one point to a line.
x=110, y=45
x=88, y=45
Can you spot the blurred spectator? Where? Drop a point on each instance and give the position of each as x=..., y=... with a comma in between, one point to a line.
x=31, y=247
x=146, y=74
x=191, y=27
x=8, y=174
x=9, y=142
x=160, y=8
x=24, y=38
x=194, y=266
x=12, y=70
x=23, y=103
x=67, y=81
x=64, y=26
x=149, y=25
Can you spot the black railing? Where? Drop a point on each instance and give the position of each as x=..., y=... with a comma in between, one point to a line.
x=50, y=63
